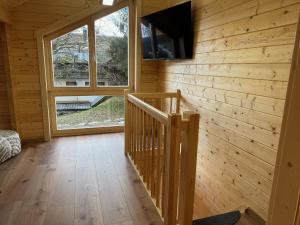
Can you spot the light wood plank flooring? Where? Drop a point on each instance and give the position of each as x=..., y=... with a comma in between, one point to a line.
x=82, y=180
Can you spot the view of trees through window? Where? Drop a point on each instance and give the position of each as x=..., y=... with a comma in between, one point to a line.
x=71, y=68
x=112, y=49
x=70, y=53
x=70, y=57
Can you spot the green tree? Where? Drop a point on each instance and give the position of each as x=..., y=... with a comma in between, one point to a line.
x=115, y=57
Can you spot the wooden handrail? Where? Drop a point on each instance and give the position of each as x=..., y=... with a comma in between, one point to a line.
x=163, y=149
x=157, y=114
x=156, y=95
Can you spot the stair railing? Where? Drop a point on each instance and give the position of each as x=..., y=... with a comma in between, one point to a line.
x=162, y=146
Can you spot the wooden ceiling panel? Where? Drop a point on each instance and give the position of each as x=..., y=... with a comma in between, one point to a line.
x=11, y=3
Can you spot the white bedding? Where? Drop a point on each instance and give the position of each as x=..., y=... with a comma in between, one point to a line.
x=10, y=144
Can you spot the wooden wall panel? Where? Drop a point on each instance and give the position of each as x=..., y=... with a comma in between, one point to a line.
x=149, y=76
x=5, y=122
x=26, y=19
x=149, y=69
x=285, y=198
x=237, y=81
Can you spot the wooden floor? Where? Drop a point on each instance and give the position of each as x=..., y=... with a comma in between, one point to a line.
x=76, y=180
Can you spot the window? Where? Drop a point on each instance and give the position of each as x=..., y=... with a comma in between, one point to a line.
x=112, y=49
x=88, y=64
x=70, y=58
x=77, y=112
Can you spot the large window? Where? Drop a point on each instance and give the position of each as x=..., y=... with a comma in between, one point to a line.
x=77, y=112
x=70, y=58
x=88, y=71
x=112, y=49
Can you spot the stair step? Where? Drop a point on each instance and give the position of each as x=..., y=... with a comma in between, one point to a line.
x=230, y=218
x=250, y=218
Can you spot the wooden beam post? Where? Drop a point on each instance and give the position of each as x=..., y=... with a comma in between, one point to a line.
x=44, y=93
x=188, y=168
x=172, y=159
x=127, y=123
x=138, y=45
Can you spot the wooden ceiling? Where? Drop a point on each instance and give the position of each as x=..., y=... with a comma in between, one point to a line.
x=7, y=6
x=11, y=3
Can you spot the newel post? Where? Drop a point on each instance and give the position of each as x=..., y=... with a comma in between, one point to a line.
x=127, y=122
x=188, y=168
x=171, y=178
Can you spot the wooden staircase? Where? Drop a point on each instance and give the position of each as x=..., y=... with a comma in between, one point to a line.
x=162, y=145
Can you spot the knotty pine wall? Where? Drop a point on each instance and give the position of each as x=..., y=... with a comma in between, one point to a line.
x=26, y=19
x=237, y=81
x=5, y=122
x=149, y=76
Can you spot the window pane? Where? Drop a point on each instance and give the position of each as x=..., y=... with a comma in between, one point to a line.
x=70, y=57
x=77, y=112
x=112, y=49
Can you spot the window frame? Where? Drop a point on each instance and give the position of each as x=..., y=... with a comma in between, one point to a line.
x=93, y=89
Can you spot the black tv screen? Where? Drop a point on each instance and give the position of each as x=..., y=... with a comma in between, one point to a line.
x=168, y=34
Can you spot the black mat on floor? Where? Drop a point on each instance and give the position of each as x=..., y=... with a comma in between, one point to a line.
x=224, y=219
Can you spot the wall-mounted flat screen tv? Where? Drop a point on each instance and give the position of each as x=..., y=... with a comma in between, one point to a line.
x=168, y=34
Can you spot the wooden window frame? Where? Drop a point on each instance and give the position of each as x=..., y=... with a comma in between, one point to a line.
x=93, y=89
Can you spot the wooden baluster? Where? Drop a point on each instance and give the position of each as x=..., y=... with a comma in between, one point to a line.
x=145, y=149
x=130, y=130
x=127, y=123
x=137, y=138
x=153, y=152
x=162, y=159
x=135, y=135
x=148, y=137
x=144, y=153
x=150, y=151
x=171, y=105
x=133, y=129
x=158, y=166
x=147, y=152
x=140, y=142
